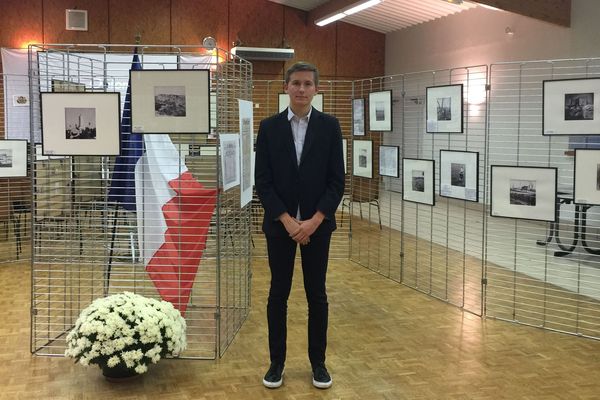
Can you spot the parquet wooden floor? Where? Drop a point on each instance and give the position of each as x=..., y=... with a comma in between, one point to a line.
x=386, y=341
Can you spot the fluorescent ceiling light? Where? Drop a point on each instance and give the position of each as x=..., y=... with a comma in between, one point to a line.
x=353, y=9
x=488, y=7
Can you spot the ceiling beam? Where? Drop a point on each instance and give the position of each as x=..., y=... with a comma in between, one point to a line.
x=554, y=11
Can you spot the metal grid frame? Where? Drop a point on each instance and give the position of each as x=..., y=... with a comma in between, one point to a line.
x=538, y=276
x=85, y=247
x=437, y=250
x=337, y=97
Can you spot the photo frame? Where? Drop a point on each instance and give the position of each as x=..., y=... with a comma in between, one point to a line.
x=389, y=161
x=345, y=154
x=459, y=175
x=78, y=124
x=230, y=159
x=523, y=192
x=586, y=177
x=362, y=158
x=170, y=101
x=358, y=117
x=284, y=101
x=13, y=158
x=568, y=107
x=20, y=100
x=444, y=109
x=418, y=181
x=59, y=85
x=380, y=111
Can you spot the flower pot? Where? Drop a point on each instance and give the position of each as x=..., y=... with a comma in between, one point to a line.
x=118, y=373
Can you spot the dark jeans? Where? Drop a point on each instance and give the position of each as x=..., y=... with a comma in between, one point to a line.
x=282, y=252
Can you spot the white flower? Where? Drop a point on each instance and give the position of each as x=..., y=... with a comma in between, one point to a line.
x=113, y=361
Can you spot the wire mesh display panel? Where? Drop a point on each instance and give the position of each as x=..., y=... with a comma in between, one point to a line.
x=435, y=249
x=540, y=273
x=336, y=101
x=89, y=242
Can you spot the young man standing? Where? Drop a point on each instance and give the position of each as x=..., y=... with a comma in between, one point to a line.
x=300, y=182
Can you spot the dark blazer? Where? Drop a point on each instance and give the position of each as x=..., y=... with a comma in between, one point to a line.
x=316, y=184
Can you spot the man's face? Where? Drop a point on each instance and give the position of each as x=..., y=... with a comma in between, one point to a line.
x=301, y=88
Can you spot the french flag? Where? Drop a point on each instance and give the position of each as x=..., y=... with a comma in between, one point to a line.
x=173, y=209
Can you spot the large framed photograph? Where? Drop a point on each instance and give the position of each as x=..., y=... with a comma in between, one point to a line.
x=568, y=107
x=444, y=112
x=380, y=111
x=167, y=101
x=418, y=180
x=587, y=177
x=78, y=124
x=362, y=158
x=358, y=117
x=459, y=174
x=284, y=101
x=388, y=161
x=523, y=192
x=13, y=158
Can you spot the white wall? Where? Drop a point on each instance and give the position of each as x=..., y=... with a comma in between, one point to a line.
x=477, y=36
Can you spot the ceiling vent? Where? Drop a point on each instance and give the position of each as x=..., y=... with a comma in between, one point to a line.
x=77, y=20
x=263, y=53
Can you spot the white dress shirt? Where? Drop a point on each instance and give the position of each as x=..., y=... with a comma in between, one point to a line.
x=299, y=126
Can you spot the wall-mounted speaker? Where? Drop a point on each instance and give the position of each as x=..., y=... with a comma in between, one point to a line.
x=77, y=20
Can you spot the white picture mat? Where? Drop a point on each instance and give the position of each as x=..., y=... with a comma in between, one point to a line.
x=18, y=155
x=554, y=107
x=388, y=161
x=586, y=176
x=230, y=159
x=384, y=98
x=454, y=125
x=246, y=122
x=358, y=117
x=197, y=101
x=362, y=166
x=54, y=141
x=284, y=101
x=427, y=166
x=545, y=186
x=470, y=161
x=345, y=150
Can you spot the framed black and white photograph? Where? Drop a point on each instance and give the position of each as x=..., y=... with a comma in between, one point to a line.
x=388, y=161
x=587, y=177
x=167, y=101
x=13, y=158
x=418, y=180
x=59, y=85
x=284, y=101
x=568, y=107
x=230, y=159
x=380, y=111
x=345, y=154
x=80, y=124
x=362, y=158
x=459, y=174
x=523, y=192
x=20, y=100
x=444, y=112
x=358, y=117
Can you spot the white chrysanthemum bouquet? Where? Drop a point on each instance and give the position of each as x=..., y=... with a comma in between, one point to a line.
x=125, y=332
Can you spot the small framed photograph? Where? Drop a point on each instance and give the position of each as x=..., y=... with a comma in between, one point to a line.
x=568, y=107
x=523, y=192
x=20, y=100
x=284, y=101
x=230, y=159
x=358, y=117
x=362, y=159
x=459, y=174
x=418, y=180
x=77, y=124
x=59, y=85
x=167, y=101
x=345, y=154
x=380, y=111
x=444, y=112
x=13, y=158
x=388, y=161
x=587, y=177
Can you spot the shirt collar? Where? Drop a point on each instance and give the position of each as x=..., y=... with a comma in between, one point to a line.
x=291, y=114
